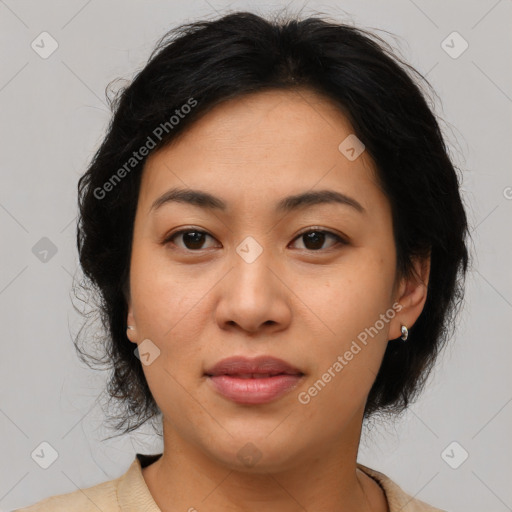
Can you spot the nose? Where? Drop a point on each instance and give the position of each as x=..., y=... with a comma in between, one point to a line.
x=253, y=297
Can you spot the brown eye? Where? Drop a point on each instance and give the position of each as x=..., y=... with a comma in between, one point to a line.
x=192, y=239
x=314, y=239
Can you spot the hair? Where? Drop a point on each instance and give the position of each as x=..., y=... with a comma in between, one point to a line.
x=205, y=63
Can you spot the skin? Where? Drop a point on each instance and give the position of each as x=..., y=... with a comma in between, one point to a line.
x=304, y=302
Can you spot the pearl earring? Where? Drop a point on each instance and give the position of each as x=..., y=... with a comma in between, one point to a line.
x=131, y=327
x=405, y=332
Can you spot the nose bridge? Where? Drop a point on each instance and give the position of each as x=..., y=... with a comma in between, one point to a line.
x=253, y=262
x=252, y=295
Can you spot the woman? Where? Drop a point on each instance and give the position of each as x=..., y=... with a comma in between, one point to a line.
x=277, y=237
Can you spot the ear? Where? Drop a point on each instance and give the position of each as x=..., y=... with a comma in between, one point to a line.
x=130, y=320
x=411, y=295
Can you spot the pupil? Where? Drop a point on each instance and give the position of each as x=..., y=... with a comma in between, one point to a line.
x=315, y=235
x=196, y=239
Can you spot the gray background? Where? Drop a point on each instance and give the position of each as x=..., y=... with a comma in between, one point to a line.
x=53, y=116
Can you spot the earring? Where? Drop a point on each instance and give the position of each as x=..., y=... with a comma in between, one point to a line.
x=131, y=327
x=405, y=332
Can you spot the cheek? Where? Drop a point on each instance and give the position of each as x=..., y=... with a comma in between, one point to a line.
x=353, y=294
x=169, y=311
x=164, y=296
x=355, y=312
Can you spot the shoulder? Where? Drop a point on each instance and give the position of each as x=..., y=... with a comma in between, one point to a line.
x=127, y=492
x=98, y=497
x=398, y=499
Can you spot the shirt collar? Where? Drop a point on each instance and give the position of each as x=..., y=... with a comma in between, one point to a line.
x=132, y=491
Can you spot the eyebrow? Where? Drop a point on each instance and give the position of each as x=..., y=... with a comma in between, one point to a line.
x=208, y=201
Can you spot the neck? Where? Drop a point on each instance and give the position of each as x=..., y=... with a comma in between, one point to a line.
x=325, y=478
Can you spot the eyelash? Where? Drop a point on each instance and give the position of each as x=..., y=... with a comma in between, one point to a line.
x=339, y=239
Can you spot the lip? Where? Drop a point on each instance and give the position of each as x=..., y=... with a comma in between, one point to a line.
x=240, y=365
x=253, y=380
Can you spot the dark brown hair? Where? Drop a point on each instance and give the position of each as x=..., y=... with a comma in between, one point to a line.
x=208, y=62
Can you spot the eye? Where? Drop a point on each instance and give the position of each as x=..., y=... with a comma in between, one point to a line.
x=193, y=239
x=314, y=238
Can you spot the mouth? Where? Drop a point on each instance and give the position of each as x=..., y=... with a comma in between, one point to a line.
x=253, y=375
x=247, y=368
x=253, y=381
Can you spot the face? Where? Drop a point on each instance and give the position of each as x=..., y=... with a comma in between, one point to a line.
x=313, y=284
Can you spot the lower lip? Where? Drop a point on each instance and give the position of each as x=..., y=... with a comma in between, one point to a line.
x=254, y=390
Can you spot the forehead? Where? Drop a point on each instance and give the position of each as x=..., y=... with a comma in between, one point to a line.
x=263, y=146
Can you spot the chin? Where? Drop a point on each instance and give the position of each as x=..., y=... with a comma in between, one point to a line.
x=258, y=454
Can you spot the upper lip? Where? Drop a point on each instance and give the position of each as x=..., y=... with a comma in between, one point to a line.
x=239, y=365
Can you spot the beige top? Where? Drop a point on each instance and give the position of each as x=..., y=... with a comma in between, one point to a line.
x=129, y=493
